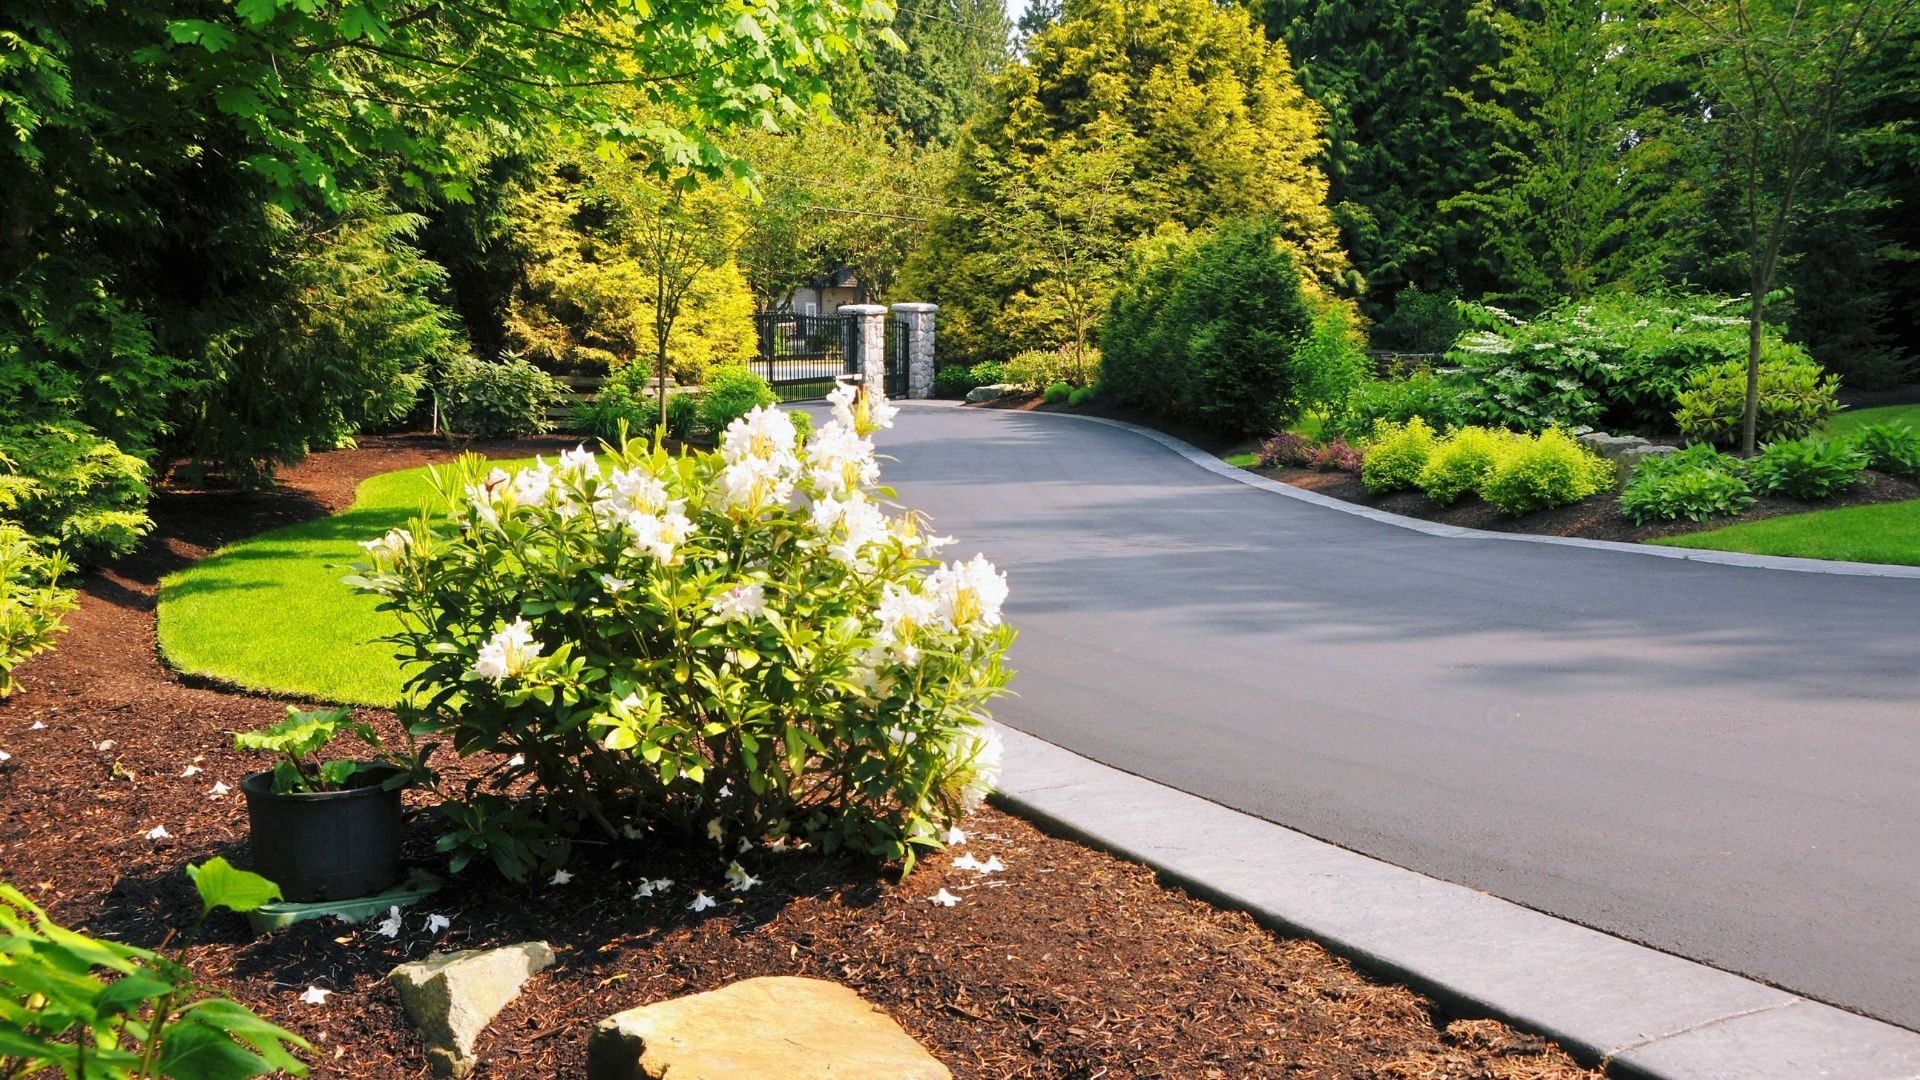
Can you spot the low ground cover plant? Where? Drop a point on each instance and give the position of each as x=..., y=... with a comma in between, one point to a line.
x=1807, y=468
x=1396, y=456
x=33, y=605
x=1696, y=483
x=1796, y=398
x=1058, y=394
x=1083, y=396
x=81, y=1006
x=737, y=645
x=486, y=399
x=1891, y=448
x=1460, y=463
x=730, y=393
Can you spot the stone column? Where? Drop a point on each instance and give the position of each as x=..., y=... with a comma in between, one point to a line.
x=871, y=342
x=916, y=322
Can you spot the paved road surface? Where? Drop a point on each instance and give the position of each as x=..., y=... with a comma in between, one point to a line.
x=1718, y=761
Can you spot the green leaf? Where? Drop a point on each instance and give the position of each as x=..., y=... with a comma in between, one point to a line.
x=207, y=1053
x=239, y=101
x=210, y=36
x=220, y=884
x=267, y=1038
x=127, y=993
x=335, y=774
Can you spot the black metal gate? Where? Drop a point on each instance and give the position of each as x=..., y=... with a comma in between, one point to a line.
x=799, y=355
x=897, y=339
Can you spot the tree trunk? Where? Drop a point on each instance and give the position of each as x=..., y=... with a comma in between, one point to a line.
x=1750, y=416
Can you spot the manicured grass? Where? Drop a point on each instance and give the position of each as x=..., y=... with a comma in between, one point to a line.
x=1851, y=420
x=1242, y=461
x=270, y=613
x=1887, y=533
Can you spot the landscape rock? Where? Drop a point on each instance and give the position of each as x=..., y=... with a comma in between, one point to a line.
x=1631, y=459
x=784, y=1026
x=1611, y=447
x=452, y=996
x=990, y=392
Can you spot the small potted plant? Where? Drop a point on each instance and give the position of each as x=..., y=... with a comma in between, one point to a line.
x=323, y=830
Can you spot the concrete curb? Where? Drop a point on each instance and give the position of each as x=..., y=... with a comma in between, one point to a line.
x=1454, y=532
x=1638, y=1012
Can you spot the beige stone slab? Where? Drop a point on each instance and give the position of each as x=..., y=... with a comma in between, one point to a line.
x=776, y=1026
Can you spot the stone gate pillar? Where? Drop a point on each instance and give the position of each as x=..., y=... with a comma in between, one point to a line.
x=916, y=327
x=869, y=342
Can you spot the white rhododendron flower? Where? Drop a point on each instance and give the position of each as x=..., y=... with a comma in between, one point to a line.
x=842, y=399
x=943, y=898
x=390, y=926
x=484, y=498
x=530, y=486
x=765, y=432
x=159, y=832
x=560, y=877
x=191, y=770
x=315, y=996
x=968, y=862
x=659, y=535
x=578, y=461
x=839, y=461
x=967, y=596
x=631, y=490
x=508, y=652
x=741, y=603
x=856, y=524
x=701, y=901
x=615, y=585
x=981, y=747
x=391, y=546
x=437, y=923
x=218, y=790
x=717, y=831
x=880, y=411
x=738, y=879
x=954, y=837
x=753, y=484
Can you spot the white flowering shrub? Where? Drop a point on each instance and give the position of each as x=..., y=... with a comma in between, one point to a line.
x=739, y=645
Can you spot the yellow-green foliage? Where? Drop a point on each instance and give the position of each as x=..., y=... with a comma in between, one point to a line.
x=1037, y=369
x=1397, y=456
x=1461, y=462
x=600, y=241
x=1539, y=472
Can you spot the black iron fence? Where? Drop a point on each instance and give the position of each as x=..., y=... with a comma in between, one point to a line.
x=799, y=355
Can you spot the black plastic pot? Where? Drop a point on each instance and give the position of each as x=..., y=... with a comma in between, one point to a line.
x=326, y=845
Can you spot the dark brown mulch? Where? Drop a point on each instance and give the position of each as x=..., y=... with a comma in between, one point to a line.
x=1069, y=964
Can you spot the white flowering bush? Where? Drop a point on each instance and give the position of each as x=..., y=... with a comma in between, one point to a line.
x=740, y=645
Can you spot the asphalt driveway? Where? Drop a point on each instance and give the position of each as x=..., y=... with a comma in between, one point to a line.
x=1722, y=762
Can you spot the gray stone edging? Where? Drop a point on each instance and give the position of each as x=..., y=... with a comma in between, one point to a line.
x=1433, y=528
x=1634, y=1010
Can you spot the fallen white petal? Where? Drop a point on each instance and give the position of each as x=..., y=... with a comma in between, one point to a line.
x=218, y=789
x=560, y=877
x=701, y=901
x=746, y=845
x=967, y=862
x=5, y=757
x=37, y=725
x=645, y=890
x=738, y=878
x=437, y=923
x=104, y=745
x=159, y=832
x=992, y=865
x=725, y=790
x=954, y=837
x=661, y=884
x=943, y=898
x=191, y=770
x=315, y=996
x=390, y=926
x=517, y=760
x=777, y=844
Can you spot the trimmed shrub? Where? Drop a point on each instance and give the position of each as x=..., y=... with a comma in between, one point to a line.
x=729, y=394
x=1082, y=397
x=987, y=373
x=953, y=381
x=1796, y=398
x=505, y=397
x=1058, y=393
x=33, y=606
x=1208, y=328
x=1617, y=361
x=1336, y=456
x=735, y=645
x=1695, y=484
x=1329, y=361
x=1807, y=468
x=1398, y=453
x=1461, y=462
x=1397, y=401
x=600, y=419
x=1539, y=472
x=1041, y=368
x=1892, y=448
x=1285, y=450
x=74, y=489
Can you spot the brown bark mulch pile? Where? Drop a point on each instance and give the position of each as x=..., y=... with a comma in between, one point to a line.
x=1597, y=518
x=1069, y=963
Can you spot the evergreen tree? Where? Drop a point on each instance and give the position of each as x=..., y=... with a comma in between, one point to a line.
x=1214, y=126
x=1399, y=141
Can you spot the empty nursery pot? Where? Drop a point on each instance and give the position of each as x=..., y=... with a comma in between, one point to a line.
x=326, y=845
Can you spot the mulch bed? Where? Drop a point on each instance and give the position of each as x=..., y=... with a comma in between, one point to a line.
x=1069, y=964
x=1597, y=518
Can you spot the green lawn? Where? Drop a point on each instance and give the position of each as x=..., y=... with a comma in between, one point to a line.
x=270, y=613
x=1242, y=461
x=1849, y=421
x=1887, y=533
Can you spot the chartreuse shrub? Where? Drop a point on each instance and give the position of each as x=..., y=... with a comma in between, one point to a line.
x=1618, y=361
x=1082, y=397
x=79, y=1006
x=32, y=603
x=1461, y=462
x=1807, y=468
x=72, y=488
x=1396, y=401
x=1039, y=369
x=508, y=396
x=732, y=645
x=1695, y=484
x=730, y=393
x=1796, y=398
x=1542, y=471
x=1058, y=393
x=1398, y=453
x=1892, y=448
